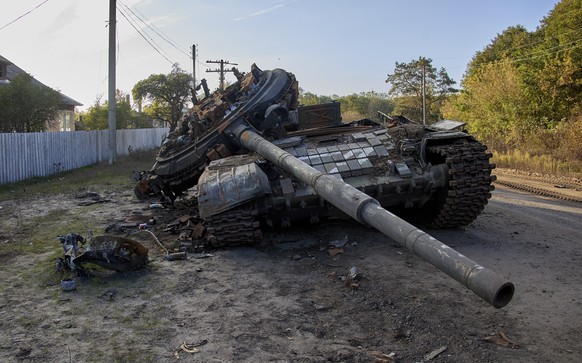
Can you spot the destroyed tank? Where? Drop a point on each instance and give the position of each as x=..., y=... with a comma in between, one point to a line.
x=256, y=159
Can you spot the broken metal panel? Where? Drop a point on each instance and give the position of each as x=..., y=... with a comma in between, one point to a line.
x=449, y=125
x=221, y=189
x=111, y=252
x=115, y=253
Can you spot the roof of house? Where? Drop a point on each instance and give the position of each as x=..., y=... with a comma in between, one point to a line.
x=12, y=71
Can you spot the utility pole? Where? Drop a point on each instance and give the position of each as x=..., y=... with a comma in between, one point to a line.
x=112, y=102
x=222, y=71
x=194, y=98
x=424, y=93
x=194, y=65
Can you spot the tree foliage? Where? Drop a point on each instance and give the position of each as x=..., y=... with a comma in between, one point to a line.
x=26, y=106
x=514, y=41
x=406, y=85
x=354, y=106
x=164, y=95
x=524, y=90
x=491, y=105
x=97, y=116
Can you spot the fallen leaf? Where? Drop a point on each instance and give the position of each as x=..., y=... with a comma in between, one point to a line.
x=502, y=339
x=335, y=251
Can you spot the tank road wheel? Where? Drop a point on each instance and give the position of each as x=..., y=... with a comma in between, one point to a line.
x=469, y=184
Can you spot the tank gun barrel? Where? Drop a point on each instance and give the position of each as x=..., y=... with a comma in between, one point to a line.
x=485, y=283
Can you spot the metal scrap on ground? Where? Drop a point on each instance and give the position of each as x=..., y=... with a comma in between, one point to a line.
x=110, y=252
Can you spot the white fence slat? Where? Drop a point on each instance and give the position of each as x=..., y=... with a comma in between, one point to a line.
x=27, y=155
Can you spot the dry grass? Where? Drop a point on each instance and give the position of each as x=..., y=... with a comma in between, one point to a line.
x=544, y=164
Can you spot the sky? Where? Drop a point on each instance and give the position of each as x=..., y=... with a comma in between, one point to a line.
x=336, y=47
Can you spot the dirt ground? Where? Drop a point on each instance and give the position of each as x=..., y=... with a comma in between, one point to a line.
x=288, y=300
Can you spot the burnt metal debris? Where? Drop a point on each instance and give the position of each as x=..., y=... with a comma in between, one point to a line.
x=254, y=158
x=111, y=252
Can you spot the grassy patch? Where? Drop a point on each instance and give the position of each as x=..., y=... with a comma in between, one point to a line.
x=26, y=229
x=544, y=164
x=39, y=234
x=98, y=175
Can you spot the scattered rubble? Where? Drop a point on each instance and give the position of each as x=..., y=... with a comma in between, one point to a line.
x=110, y=252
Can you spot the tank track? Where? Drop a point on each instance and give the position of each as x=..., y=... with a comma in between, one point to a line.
x=234, y=227
x=538, y=191
x=469, y=184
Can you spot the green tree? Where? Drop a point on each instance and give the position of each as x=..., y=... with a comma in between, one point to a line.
x=97, y=116
x=26, y=106
x=407, y=88
x=308, y=98
x=366, y=104
x=354, y=106
x=165, y=95
x=559, y=61
x=524, y=89
x=491, y=104
x=515, y=41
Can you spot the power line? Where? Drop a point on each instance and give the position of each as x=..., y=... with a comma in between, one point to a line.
x=547, y=51
x=537, y=54
x=542, y=40
x=512, y=49
x=144, y=33
x=154, y=28
x=143, y=36
x=25, y=14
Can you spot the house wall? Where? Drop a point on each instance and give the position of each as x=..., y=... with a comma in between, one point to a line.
x=27, y=155
x=64, y=120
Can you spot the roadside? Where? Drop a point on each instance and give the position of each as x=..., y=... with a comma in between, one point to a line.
x=290, y=299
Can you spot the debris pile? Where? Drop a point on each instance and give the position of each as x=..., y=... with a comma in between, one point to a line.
x=136, y=219
x=190, y=230
x=110, y=252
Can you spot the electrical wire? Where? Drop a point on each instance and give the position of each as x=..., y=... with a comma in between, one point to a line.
x=144, y=37
x=547, y=51
x=149, y=24
x=144, y=32
x=537, y=54
x=154, y=28
x=25, y=14
x=543, y=40
x=512, y=49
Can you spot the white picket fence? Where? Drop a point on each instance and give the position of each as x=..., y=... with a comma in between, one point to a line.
x=27, y=155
